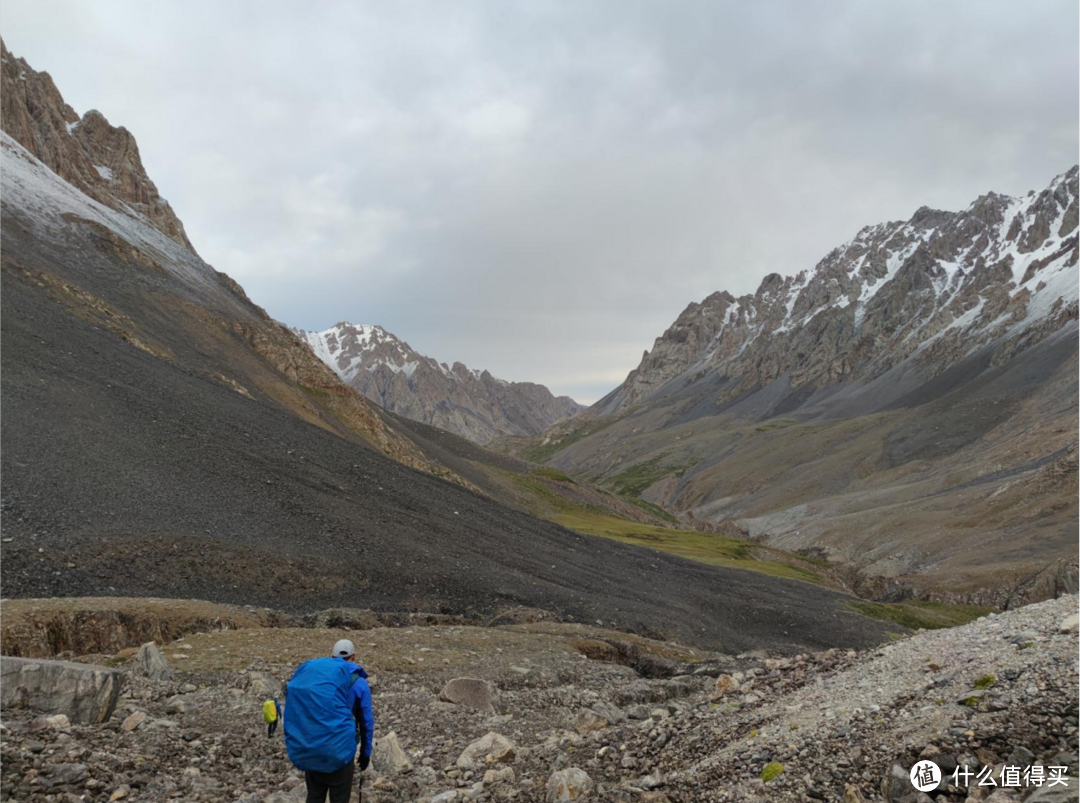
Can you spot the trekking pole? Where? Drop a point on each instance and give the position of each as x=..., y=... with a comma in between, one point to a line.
x=360, y=788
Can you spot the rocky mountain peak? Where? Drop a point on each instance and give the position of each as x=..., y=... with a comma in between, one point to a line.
x=928, y=289
x=467, y=401
x=98, y=158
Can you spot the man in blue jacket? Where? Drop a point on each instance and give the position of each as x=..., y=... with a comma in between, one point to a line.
x=338, y=783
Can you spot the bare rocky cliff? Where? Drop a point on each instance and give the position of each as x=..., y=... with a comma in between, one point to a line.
x=467, y=402
x=88, y=152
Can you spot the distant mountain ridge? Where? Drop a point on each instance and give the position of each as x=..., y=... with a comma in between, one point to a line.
x=928, y=290
x=468, y=402
x=908, y=401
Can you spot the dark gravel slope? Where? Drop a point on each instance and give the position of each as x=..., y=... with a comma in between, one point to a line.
x=123, y=473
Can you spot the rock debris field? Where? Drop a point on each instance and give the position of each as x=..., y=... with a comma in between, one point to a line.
x=561, y=712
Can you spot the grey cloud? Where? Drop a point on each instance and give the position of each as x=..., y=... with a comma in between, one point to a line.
x=539, y=189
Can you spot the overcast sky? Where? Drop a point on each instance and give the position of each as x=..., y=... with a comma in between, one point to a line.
x=539, y=188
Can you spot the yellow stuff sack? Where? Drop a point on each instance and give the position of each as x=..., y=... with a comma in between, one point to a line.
x=269, y=711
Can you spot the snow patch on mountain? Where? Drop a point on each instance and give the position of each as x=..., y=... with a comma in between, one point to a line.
x=49, y=204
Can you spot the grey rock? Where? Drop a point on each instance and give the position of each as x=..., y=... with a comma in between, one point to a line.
x=84, y=693
x=489, y=748
x=572, y=783
x=1057, y=794
x=471, y=692
x=896, y=787
x=68, y=773
x=388, y=757
x=588, y=721
x=133, y=721
x=150, y=663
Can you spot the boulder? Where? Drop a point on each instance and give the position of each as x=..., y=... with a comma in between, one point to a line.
x=56, y=722
x=151, y=664
x=492, y=748
x=572, y=783
x=388, y=757
x=588, y=721
x=85, y=693
x=263, y=686
x=1056, y=794
x=471, y=692
x=612, y=713
x=1070, y=624
x=724, y=684
x=503, y=775
x=133, y=721
x=896, y=787
x=178, y=705
x=852, y=794
x=68, y=774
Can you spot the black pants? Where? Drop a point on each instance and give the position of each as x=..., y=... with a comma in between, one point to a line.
x=338, y=783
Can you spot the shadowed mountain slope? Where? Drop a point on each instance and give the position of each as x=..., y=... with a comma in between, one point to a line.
x=908, y=406
x=162, y=436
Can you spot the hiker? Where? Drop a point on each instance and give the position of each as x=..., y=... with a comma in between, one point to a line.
x=271, y=712
x=327, y=715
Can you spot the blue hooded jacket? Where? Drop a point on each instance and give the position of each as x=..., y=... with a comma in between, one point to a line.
x=361, y=710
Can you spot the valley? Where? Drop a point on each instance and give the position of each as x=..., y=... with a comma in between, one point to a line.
x=821, y=532
x=906, y=408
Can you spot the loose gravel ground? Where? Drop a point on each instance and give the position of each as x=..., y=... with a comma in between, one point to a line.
x=833, y=725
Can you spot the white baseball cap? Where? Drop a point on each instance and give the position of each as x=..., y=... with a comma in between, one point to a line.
x=343, y=649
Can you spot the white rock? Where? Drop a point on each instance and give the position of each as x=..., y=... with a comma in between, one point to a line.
x=572, y=783
x=491, y=748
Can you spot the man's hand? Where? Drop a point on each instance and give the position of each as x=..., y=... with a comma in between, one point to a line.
x=363, y=762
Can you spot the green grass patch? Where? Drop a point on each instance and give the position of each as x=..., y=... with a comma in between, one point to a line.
x=640, y=476
x=542, y=492
x=985, y=682
x=650, y=508
x=318, y=393
x=916, y=614
x=711, y=548
x=549, y=473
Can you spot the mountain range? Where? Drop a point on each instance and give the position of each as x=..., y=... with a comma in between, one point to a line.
x=163, y=436
x=907, y=406
x=462, y=400
x=901, y=419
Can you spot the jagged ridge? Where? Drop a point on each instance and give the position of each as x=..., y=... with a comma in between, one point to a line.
x=469, y=402
x=930, y=290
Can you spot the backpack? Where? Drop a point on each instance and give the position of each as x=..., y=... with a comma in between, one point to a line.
x=269, y=710
x=320, y=732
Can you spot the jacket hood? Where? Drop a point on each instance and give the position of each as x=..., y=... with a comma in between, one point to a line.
x=359, y=670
